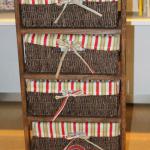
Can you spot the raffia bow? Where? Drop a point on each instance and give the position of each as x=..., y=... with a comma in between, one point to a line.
x=76, y=2
x=66, y=96
x=81, y=136
x=73, y=46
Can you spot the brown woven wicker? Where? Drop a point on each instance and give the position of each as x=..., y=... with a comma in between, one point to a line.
x=40, y=104
x=46, y=59
x=108, y=143
x=73, y=17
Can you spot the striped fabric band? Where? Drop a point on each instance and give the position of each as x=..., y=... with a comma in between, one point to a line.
x=88, y=87
x=39, y=2
x=63, y=129
x=94, y=42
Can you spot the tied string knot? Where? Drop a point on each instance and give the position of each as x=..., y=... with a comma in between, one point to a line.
x=66, y=95
x=81, y=136
x=73, y=46
x=76, y=2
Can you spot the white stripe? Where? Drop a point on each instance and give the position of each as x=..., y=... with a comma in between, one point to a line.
x=37, y=86
x=42, y=128
x=96, y=130
x=65, y=128
x=89, y=129
x=49, y=85
x=32, y=86
x=106, y=42
x=44, y=86
x=108, y=129
x=60, y=129
x=37, y=131
x=48, y=128
x=54, y=129
x=102, y=130
x=93, y=41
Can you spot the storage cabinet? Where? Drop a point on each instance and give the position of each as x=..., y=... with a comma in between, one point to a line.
x=72, y=71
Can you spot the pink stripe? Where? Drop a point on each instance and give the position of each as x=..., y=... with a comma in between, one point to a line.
x=51, y=130
x=74, y=128
x=109, y=43
x=110, y=129
x=33, y=2
x=46, y=1
x=110, y=88
x=97, y=88
x=45, y=39
x=63, y=129
x=99, y=129
x=83, y=40
x=84, y=88
x=39, y=129
x=47, y=86
x=32, y=38
x=58, y=37
x=35, y=88
x=86, y=128
x=96, y=43
x=70, y=39
x=59, y=87
x=72, y=85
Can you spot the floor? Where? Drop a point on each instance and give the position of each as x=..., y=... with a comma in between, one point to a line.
x=11, y=133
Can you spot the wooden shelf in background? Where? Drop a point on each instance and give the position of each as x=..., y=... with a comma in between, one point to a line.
x=71, y=77
x=7, y=18
x=135, y=19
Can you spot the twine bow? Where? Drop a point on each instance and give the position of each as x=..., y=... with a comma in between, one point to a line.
x=81, y=136
x=76, y=2
x=66, y=96
x=73, y=46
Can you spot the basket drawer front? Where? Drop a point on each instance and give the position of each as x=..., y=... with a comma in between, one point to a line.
x=99, y=54
x=100, y=96
x=53, y=135
x=43, y=15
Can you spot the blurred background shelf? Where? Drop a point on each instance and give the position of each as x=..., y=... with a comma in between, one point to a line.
x=134, y=19
x=7, y=18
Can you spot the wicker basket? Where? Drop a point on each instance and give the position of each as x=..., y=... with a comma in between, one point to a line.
x=44, y=141
x=100, y=52
x=36, y=13
x=100, y=98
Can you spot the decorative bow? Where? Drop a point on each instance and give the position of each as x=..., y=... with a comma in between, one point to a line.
x=81, y=136
x=66, y=96
x=73, y=46
x=76, y=2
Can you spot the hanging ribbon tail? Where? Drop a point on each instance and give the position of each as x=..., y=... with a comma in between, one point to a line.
x=60, y=63
x=57, y=19
x=90, y=9
x=90, y=69
x=92, y=144
x=60, y=108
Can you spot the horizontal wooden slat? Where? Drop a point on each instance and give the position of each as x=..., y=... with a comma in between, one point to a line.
x=72, y=77
x=71, y=31
x=71, y=119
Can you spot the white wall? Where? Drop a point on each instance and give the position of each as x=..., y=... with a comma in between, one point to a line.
x=142, y=64
x=9, y=72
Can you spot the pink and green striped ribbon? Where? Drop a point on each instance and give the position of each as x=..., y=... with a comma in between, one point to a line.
x=39, y=2
x=63, y=129
x=103, y=42
x=87, y=87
